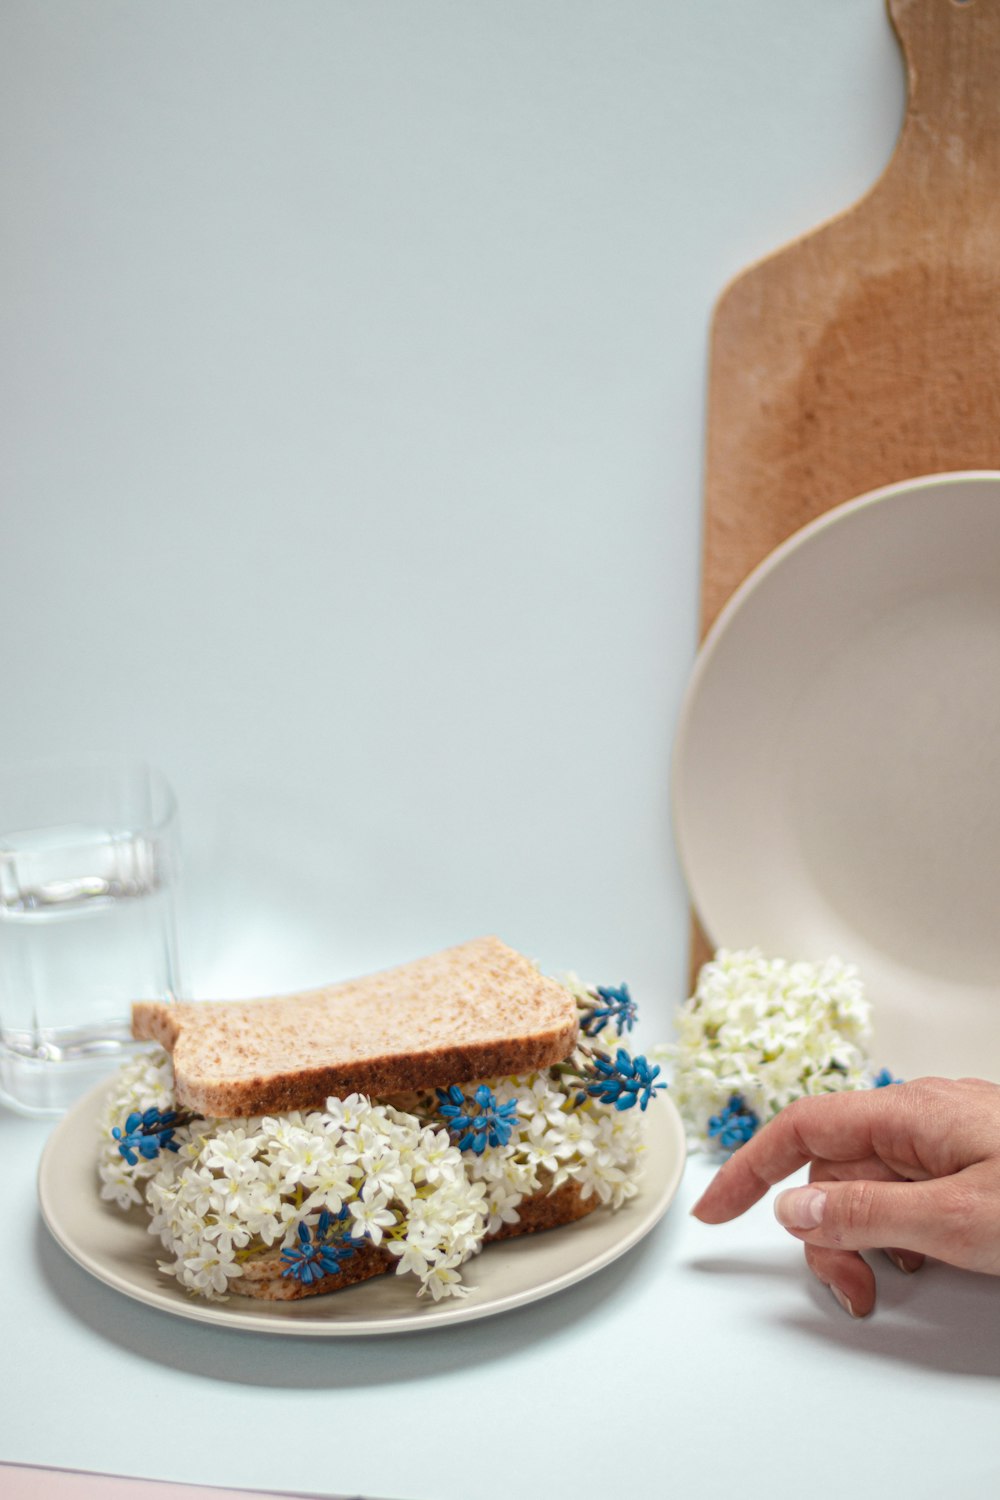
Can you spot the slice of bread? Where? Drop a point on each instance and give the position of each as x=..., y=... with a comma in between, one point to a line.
x=474, y=1011
x=263, y=1276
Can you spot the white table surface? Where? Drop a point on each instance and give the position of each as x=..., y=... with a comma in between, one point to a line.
x=705, y=1363
x=351, y=400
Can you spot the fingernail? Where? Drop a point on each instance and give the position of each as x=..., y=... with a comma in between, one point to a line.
x=844, y=1301
x=800, y=1208
x=900, y=1263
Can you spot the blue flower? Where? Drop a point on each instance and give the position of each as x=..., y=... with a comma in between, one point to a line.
x=479, y=1121
x=312, y=1259
x=148, y=1134
x=618, y=1006
x=734, y=1125
x=882, y=1078
x=622, y=1081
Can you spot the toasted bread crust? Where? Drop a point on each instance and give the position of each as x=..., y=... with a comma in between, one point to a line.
x=474, y=1011
x=548, y=1210
x=310, y=1088
x=544, y=1210
x=263, y=1276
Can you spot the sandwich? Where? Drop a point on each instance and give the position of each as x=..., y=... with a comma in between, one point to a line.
x=291, y=1146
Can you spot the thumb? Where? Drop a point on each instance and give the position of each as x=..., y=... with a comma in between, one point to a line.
x=936, y=1217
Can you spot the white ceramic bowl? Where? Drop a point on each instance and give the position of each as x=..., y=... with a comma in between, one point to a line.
x=836, y=776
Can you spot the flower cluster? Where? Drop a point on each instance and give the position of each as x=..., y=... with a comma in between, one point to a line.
x=571, y=1123
x=309, y=1187
x=148, y=1133
x=734, y=1125
x=605, y=1070
x=144, y=1083
x=611, y=1006
x=553, y=1140
x=320, y=1253
x=606, y=1011
x=479, y=1122
x=554, y=1132
x=758, y=1033
x=623, y=1081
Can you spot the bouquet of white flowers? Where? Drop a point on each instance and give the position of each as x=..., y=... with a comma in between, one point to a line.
x=758, y=1033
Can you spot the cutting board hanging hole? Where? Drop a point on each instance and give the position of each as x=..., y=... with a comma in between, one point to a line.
x=869, y=350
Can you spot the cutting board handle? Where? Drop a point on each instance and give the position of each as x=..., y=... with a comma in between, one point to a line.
x=951, y=135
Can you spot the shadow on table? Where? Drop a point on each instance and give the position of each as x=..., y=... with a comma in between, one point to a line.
x=938, y=1318
x=282, y=1361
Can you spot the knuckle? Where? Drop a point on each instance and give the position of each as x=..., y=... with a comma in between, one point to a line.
x=797, y=1117
x=856, y=1210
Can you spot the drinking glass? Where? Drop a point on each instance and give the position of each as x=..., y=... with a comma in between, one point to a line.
x=89, y=861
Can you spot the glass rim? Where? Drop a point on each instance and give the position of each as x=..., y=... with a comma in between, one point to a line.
x=96, y=762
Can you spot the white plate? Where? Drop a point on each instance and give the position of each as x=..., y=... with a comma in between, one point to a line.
x=117, y=1248
x=836, y=778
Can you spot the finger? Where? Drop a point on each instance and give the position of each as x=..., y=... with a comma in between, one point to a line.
x=869, y=1169
x=906, y=1261
x=850, y=1279
x=828, y=1127
x=924, y=1218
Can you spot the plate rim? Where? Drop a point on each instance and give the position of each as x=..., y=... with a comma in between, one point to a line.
x=708, y=647
x=666, y=1138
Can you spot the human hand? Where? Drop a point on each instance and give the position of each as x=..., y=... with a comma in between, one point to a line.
x=912, y=1169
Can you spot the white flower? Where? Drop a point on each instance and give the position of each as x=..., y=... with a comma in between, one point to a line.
x=196, y=1190
x=228, y=1232
x=231, y=1151
x=242, y=1196
x=382, y=1171
x=334, y=1181
x=207, y=1272
x=118, y=1183
x=346, y=1114
x=413, y=1256
x=439, y=1159
x=442, y=1280
x=502, y=1204
x=301, y=1156
x=371, y=1215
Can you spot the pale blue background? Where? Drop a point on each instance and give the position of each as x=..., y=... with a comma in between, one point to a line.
x=353, y=362
x=353, y=370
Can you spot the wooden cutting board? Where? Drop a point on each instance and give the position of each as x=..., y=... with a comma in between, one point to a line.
x=869, y=350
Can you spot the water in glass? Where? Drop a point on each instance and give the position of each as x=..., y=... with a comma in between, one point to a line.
x=86, y=926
